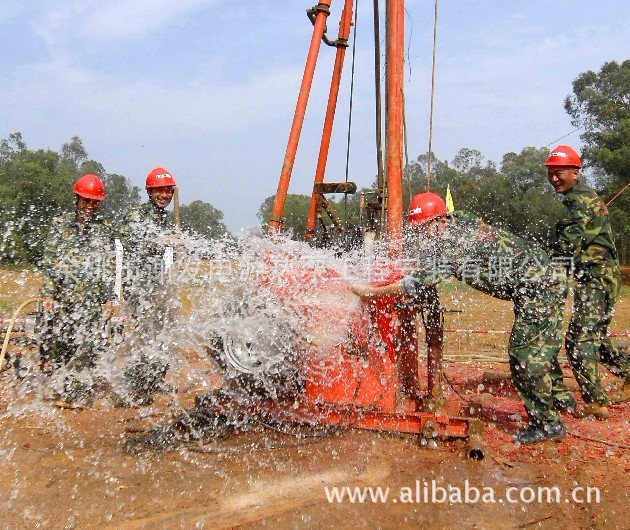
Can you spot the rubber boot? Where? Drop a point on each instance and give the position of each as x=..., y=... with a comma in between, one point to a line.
x=541, y=432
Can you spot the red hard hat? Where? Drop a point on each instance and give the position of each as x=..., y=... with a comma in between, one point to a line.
x=424, y=207
x=90, y=187
x=159, y=178
x=563, y=155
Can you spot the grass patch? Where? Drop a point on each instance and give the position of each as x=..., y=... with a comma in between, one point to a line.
x=18, y=267
x=453, y=285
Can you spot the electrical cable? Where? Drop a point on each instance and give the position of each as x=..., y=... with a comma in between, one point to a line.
x=354, y=53
x=618, y=193
x=563, y=137
x=435, y=22
x=378, y=97
x=598, y=440
x=601, y=115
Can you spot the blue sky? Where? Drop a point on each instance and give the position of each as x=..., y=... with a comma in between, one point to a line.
x=207, y=88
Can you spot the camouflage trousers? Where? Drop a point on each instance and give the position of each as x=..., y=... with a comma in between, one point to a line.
x=149, y=320
x=534, y=346
x=587, y=341
x=72, y=336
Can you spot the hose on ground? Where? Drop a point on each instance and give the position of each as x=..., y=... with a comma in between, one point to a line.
x=7, y=335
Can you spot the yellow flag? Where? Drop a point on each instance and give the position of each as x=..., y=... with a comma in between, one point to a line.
x=449, y=200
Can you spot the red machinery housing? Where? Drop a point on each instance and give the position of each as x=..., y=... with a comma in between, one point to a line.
x=370, y=378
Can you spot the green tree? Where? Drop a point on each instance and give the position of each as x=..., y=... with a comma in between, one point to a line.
x=415, y=176
x=533, y=207
x=526, y=169
x=600, y=104
x=73, y=155
x=517, y=197
x=469, y=161
x=37, y=185
x=203, y=218
x=33, y=188
x=120, y=196
x=296, y=209
x=295, y=213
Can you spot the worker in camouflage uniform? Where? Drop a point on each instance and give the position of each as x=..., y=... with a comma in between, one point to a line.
x=504, y=266
x=584, y=242
x=78, y=264
x=149, y=237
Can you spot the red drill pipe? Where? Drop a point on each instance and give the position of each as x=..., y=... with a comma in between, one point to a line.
x=394, y=129
x=298, y=118
x=344, y=34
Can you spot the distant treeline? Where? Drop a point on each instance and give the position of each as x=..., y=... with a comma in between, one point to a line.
x=36, y=185
x=515, y=196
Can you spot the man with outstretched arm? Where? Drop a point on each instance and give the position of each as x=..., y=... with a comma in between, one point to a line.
x=504, y=266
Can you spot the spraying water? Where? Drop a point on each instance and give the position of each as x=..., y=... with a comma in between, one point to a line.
x=251, y=312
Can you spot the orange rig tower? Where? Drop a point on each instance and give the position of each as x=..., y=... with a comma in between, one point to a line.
x=375, y=384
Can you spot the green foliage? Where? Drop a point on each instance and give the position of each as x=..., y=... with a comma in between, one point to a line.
x=295, y=213
x=203, y=218
x=296, y=209
x=517, y=197
x=37, y=185
x=34, y=186
x=121, y=195
x=620, y=220
x=415, y=176
x=600, y=103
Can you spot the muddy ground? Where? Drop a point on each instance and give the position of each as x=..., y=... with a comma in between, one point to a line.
x=81, y=468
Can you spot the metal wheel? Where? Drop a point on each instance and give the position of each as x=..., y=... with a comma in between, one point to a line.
x=259, y=354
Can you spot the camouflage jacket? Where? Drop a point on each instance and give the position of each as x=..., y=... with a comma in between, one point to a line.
x=140, y=237
x=487, y=258
x=584, y=234
x=79, y=262
x=144, y=224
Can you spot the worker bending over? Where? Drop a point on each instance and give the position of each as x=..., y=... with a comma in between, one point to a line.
x=504, y=266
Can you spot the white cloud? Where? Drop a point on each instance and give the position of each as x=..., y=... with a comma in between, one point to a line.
x=165, y=108
x=63, y=25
